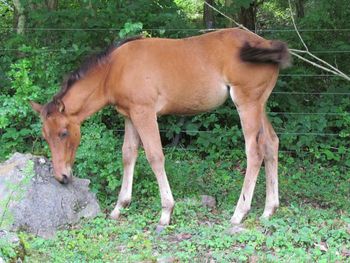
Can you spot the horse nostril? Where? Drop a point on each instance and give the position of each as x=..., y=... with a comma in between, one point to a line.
x=65, y=179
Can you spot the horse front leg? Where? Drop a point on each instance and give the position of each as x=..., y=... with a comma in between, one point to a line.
x=130, y=149
x=145, y=121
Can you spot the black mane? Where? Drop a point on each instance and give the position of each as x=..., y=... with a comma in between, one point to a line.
x=79, y=73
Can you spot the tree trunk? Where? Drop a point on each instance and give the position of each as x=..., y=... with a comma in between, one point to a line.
x=51, y=4
x=208, y=15
x=299, y=5
x=247, y=16
x=228, y=4
x=19, y=16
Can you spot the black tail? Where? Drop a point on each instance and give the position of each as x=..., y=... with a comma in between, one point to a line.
x=277, y=54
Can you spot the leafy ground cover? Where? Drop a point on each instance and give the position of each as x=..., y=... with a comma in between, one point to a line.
x=295, y=234
x=308, y=108
x=312, y=224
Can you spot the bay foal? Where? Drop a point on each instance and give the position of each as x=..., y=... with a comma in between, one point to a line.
x=146, y=78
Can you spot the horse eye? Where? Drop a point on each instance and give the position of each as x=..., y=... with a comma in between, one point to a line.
x=63, y=134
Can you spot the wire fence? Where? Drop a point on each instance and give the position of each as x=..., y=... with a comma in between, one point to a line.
x=185, y=157
x=175, y=29
x=311, y=93
x=63, y=50
x=174, y=149
x=228, y=151
x=167, y=29
x=340, y=114
x=278, y=132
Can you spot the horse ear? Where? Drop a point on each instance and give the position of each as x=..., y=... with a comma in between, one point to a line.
x=60, y=105
x=36, y=106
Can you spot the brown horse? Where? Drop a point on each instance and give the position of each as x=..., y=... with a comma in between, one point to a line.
x=146, y=78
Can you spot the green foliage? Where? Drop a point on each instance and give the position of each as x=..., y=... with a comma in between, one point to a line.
x=130, y=29
x=296, y=233
x=14, y=109
x=314, y=141
x=104, y=169
x=208, y=157
x=7, y=249
x=193, y=9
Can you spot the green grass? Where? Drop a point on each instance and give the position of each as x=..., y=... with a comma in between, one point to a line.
x=295, y=234
x=312, y=224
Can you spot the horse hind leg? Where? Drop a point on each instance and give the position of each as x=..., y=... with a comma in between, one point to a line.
x=252, y=124
x=271, y=169
x=130, y=149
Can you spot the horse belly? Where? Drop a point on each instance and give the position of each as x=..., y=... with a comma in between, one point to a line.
x=192, y=100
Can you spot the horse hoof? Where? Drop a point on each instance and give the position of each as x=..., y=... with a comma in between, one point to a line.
x=264, y=217
x=114, y=215
x=160, y=229
x=267, y=214
x=235, y=229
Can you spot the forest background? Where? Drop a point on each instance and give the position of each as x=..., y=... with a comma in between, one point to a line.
x=42, y=41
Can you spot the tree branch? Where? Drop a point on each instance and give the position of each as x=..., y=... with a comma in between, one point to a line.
x=338, y=72
x=294, y=52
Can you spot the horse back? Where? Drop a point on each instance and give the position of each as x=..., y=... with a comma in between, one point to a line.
x=183, y=76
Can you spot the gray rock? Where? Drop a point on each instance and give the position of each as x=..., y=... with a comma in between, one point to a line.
x=208, y=201
x=166, y=260
x=32, y=200
x=10, y=237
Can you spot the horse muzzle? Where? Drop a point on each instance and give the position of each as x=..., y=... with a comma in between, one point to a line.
x=66, y=179
x=65, y=176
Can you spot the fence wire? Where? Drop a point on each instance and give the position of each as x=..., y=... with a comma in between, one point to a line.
x=173, y=29
x=38, y=50
x=179, y=149
x=278, y=132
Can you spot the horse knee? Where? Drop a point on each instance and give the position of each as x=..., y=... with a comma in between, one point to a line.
x=271, y=148
x=156, y=159
x=169, y=204
x=255, y=152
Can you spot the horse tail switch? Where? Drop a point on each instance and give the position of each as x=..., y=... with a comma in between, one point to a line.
x=278, y=54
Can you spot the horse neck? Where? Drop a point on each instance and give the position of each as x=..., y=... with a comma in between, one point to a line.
x=86, y=96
